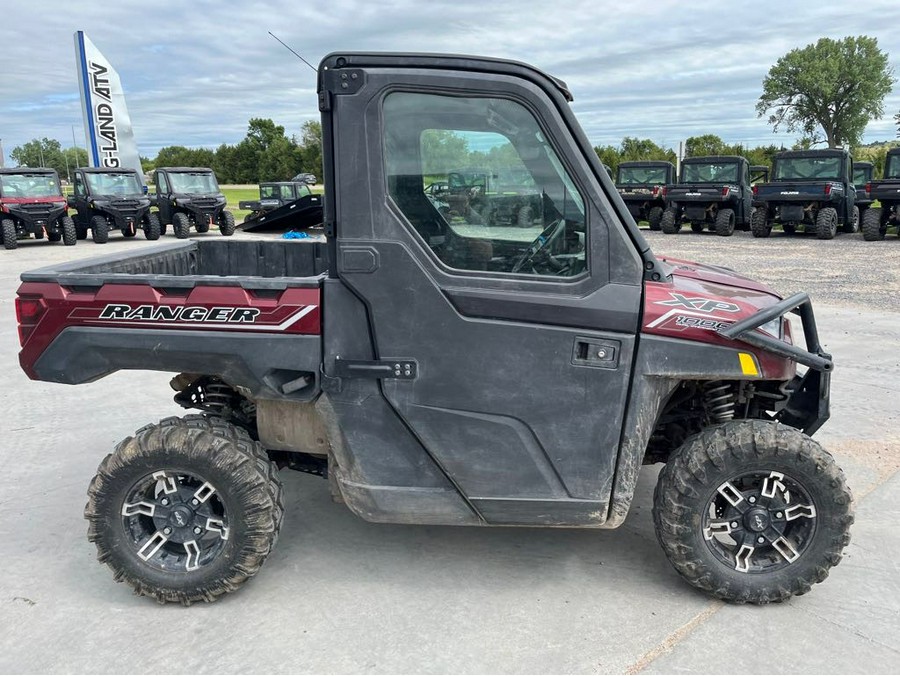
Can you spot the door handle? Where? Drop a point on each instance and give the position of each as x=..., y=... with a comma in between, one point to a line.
x=596, y=352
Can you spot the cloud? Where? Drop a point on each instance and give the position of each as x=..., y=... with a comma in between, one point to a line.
x=195, y=74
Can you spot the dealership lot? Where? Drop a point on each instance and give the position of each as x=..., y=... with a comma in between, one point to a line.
x=341, y=595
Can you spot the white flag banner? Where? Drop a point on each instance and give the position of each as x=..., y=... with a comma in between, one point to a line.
x=107, y=125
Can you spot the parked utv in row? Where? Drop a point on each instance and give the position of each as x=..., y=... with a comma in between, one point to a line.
x=863, y=173
x=32, y=203
x=887, y=192
x=643, y=185
x=713, y=192
x=189, y=197
x=111, y=199
x=450, y=374
x=812, y=189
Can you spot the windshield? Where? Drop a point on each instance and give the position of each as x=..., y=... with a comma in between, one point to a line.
x=642, y=175
x=114, y=184
x=709, y=172
x=29, y=185
x=892, y=170
x=807, y=168
x=862, y=175
x=194, y=182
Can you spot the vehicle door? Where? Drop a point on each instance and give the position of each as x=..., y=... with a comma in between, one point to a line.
x=513, y=345
x=79, y=200
x=163, y=197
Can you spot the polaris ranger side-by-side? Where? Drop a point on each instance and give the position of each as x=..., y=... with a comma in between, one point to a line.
x=712, y=192
x=273, y=195
x=642, y=186
x=32, y=203
x=887, y=192
x=111, y=199
x=812, y=189
x=190, y=197
x=443, y=373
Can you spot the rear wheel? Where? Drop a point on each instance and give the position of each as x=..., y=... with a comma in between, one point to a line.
x=752, y=511
x=69, y=232
x=54, y=236
x=130, y=230
x=100, y=230
x=654, y=217
x=826, y=223
x=39, y=233
x=202, y=224
x=789, y=228
x=697, y=227
x=152, y=228
x=9, y=233
x=181, y=225
x=759, y=223
x=853, y=225
x=525, y=217
x=872, y=228
x=725, y=223
x=226, y=223
x=668, y=223
x=186, y=510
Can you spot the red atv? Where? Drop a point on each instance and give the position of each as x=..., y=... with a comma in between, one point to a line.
x=32, y=203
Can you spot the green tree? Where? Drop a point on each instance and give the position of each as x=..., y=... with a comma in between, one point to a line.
x=828, y=91
x=610, y=156
x=707, y=144
x=45, y=152
x=310, y=147
x=633, y=149
x=445, y=151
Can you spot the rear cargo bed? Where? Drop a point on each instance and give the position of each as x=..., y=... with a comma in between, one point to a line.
x=250, y=264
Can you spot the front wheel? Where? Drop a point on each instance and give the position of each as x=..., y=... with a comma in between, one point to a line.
x=186, y=510
x=10, y=239
x=99, y=230
x=752, y=511
x=152, y=228
x=181, y=225
x=69, y=232
x=226, y=223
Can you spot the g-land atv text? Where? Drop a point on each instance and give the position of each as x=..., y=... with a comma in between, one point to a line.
x=446, y=372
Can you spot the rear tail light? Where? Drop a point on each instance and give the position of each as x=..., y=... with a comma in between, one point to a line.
x=828, y=188
x=725, y=191
x=28, y=313
x=868, y=187
x=665, y=190
x=755, y=190
x=656, y=191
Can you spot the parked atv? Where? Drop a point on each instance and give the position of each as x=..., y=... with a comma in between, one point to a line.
x=812, y=189
x=111, y=199
x=862, y=180
x=500, y=200
x=189, y=197
x=642, y=185
x=887, y=192
x=32, y=203
x=713, y=192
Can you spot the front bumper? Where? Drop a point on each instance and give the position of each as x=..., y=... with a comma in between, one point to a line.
x=808, y=406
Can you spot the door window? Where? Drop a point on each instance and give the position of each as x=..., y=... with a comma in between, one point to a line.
x=162, y=184
x=507, y=204
x=79, y=186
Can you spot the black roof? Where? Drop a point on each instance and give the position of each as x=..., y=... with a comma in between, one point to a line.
x=478, y=64
x=863, y=164
x=894, y=151
x=185, y=169
x=647, y=163
x=27, y=170
x=759, y=167
x=107, y=170
x=820, y=152
x=714, y=158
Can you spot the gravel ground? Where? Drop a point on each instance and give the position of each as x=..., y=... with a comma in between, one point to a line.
x=845, y=271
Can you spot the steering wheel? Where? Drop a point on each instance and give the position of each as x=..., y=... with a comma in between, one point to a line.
x=537, y=250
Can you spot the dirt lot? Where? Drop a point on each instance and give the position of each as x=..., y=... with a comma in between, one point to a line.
x=341, y=595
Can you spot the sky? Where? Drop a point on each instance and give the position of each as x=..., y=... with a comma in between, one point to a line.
x=195, y=72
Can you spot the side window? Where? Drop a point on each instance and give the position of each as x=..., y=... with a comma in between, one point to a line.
x=79, y=186
x=268, y=192
x=162, y=184
x=479, y=182
x=746, y=174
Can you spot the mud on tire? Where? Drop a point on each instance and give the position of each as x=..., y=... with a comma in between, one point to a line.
x=164, y=469
x=804, y=506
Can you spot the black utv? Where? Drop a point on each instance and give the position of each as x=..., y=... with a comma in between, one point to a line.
x=863, y=173
x=274, y=195
x=713, y=192
x=190, y=196
x=887, y=192
x=812, y=189
x=32, y=203
x=111, y=199
x=642, y=185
